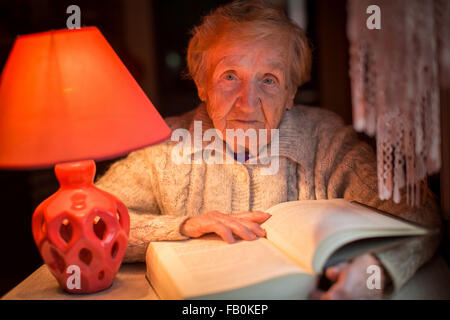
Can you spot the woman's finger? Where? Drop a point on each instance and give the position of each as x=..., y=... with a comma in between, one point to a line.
x=222, y=231
x=239, y=229
x=253, y=216
x=333, y=272
x=254, y=227
x=236, y=226
x=336, y=292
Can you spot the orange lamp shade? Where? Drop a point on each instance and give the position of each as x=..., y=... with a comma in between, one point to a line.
x=66, y=96
x=66, y=99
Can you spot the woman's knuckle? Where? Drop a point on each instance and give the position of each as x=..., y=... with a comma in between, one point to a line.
x=254, y=225
x=242, y=228
x=218, y=224
x=208, y=215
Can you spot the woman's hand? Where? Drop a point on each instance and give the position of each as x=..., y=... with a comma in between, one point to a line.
x=246, y=225
x=350, y=280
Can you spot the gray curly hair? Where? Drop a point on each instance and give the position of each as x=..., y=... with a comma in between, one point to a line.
x=249, y=20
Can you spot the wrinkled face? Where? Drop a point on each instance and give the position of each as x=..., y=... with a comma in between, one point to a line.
x=247, y=85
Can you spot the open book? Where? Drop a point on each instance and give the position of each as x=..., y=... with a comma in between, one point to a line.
x=303, y=238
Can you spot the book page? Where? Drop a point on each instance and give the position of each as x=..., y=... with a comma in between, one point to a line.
x=208, y=265
x=299, y=227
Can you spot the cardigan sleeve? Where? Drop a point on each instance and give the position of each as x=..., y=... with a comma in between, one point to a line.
x=348, y=169
x=130, y=180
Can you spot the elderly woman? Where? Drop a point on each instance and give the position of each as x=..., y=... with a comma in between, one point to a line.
x=247, y=60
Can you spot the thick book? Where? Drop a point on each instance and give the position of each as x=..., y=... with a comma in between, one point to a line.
x=303, y=238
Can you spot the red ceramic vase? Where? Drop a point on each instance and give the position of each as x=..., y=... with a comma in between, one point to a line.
x=81, y=231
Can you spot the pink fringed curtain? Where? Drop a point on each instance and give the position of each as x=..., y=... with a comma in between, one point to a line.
x=394, y=75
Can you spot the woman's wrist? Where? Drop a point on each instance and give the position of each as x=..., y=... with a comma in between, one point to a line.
x=182, y=228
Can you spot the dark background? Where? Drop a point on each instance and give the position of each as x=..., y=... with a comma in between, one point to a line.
x=151, y=38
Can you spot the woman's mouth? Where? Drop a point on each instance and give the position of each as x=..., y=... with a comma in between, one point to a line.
x=247, y=122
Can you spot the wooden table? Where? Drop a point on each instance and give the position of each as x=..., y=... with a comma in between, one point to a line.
x=432, y=281
x=130, y=284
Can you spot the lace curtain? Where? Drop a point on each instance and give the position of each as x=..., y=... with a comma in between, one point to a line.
x=394, y=74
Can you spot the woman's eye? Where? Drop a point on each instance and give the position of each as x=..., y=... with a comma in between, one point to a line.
x=230, y=77
x=268, y=81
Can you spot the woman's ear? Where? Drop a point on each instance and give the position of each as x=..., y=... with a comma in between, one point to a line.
x=201, y=94
x=201, y=91
x=290, y=101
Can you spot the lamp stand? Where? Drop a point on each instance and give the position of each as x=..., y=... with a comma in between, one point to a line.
x=81, y=231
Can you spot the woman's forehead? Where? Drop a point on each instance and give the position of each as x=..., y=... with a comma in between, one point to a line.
x=273, y=62
x=271, y=54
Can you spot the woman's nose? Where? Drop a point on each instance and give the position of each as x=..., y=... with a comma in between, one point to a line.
x=248, y=97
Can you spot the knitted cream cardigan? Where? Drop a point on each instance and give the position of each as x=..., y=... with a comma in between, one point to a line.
x=319, y=158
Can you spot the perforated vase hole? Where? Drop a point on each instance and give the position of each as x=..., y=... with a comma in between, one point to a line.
x=99, y=227
x=58, y=262
x=85, y=256
x=65, y=230
x=101, y=275
x=114, y=249
x=43, y=226
x=118, y=216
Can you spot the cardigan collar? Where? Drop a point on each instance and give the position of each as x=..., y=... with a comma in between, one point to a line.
x=292, y=133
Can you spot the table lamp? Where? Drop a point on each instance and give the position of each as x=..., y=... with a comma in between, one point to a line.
x=66, y=99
